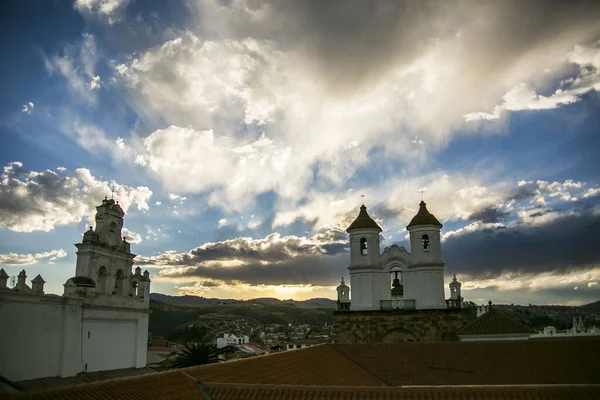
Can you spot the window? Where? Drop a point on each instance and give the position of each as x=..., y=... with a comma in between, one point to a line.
x=425, y=242
x=363, y=247
x=120, y=277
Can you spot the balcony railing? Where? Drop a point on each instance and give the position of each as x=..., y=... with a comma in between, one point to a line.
x=404, y=304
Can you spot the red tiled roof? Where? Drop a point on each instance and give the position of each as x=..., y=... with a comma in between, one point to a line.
x=363, y=221
x=315, y=365
x=516, y=362
x=169, y=385
x=240, y=392
x=532, y=369
x=493, y=322
x=424, y=217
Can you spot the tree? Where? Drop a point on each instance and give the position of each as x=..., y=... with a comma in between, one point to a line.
x=197, y=354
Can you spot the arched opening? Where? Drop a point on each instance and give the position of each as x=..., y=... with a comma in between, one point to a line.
x=396, y=278
x=398, y=335
x=134, y=288
x=425, y=242
x=102, y=279
x=119, y=278
x=112, y=227
x=363, y=247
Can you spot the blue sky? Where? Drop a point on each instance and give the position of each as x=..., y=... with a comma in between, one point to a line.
x=239, y=136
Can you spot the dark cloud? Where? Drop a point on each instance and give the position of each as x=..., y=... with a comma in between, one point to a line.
x=352, y=43
x=31, y=200
x=522, y=193
x=274, y=259
x=567, y=242
x=316, y=270
x=489, y=215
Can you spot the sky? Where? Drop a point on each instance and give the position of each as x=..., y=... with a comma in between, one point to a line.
x=240, y=135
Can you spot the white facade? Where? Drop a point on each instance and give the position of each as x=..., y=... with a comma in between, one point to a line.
x=228, y=339
x=419, y=282
x=100, y=323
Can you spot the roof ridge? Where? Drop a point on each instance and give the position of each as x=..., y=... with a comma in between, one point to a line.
x=395, y=388
x=361, y=366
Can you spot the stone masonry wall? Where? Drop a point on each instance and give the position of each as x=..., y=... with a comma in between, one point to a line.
x=372, y=327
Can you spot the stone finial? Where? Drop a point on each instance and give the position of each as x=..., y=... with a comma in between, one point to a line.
x=21, y=285
x=138, y=271
x=147, y=275
x=37, y=284
x=3, y=279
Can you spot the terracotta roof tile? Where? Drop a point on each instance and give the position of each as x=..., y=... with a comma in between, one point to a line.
x=493, y=322
x=170, y=385
x=553, y=367
x=241, y=392
x=557, y=361
x=316, y=365
x=424, y=217
x=363, y=221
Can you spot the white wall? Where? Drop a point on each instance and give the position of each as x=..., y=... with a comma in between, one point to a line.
x=41, y=336
x=31, y=335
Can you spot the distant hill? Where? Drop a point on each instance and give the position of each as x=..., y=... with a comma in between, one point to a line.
x=592, y=307
x=177, y=313
x=195, y=300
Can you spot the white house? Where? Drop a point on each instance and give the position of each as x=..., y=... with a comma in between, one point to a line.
x=228, y=339
x=418, y=277
x=99, y=323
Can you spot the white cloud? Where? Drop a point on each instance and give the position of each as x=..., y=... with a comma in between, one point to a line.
x=26, y=259
x=132, y=237
x=95, y=83
x=77, y=65
x=592, y=284
x=591, y=192
x=173, y=196
x=27, y=108
x=107, y=10
x=222, y=222
x=524, y=97
x=31, y=200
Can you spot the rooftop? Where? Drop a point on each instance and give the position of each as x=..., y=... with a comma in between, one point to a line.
x=549, y=369
x=493, y=322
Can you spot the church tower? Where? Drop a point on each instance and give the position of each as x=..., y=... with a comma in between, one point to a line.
x=343, y=300
x=105, y=261
x=367, y=279
x=425, y=279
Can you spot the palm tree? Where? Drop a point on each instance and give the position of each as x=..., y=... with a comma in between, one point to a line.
x=197, y=354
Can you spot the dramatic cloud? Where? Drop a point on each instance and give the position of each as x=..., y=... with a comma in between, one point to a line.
x=274, y=259
x=31, y=200
x=26, y=259
x=559, y=243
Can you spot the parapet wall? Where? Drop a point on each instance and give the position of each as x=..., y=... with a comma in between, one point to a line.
x=374, y=327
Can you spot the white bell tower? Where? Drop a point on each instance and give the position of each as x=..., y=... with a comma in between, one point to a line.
x=425, y=278
x=367, y=278
x=343, y=300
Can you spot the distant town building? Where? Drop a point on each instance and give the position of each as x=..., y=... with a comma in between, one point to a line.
x=303, y=343
x=228, y=339
x=99, y=323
